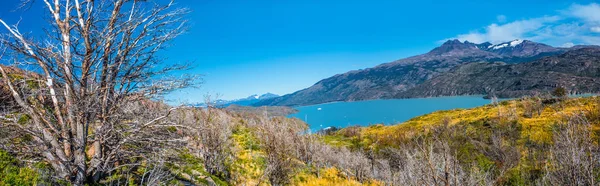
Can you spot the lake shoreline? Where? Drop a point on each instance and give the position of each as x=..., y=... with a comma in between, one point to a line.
x=381, y=111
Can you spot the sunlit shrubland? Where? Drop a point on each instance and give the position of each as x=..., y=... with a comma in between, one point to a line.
x=525, y=141
x=513, y=142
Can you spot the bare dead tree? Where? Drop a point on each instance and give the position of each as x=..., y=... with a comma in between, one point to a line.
x=574, y=156
x=499, y=145
x=155, y=172
x=214, y=133
x=277, y=136
x=99, y=58
x=433, y=162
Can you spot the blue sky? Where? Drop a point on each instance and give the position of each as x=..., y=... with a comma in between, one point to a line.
x=253, y=47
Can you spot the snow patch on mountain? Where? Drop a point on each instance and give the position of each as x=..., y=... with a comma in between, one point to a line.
x=506, y=44
x=516, y=42
x=496, y=47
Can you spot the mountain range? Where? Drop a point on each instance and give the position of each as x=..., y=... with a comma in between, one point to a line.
x=509, y=69
x=250, y=100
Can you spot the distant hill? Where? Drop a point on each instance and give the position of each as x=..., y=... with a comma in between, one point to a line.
x=269, y=111
x=397, y=78
x=241, y=102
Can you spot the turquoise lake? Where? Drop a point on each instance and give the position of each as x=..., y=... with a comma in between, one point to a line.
x=364, y=113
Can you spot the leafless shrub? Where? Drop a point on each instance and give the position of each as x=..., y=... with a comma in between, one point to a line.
x=433, y=163
x=532, y=106
x=353, y=131
x=288, y=146
x=278, y=137
x=215, y=128
x=527, y=107
x=429, y=160
x=156, y=172
x=574, y=156
x=500, y=145
x=208, y=135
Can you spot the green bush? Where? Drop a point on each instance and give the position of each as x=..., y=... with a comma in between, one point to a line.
x=559, y=92
x=12, y=173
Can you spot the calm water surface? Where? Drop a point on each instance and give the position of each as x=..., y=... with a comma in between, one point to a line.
x=364, y=113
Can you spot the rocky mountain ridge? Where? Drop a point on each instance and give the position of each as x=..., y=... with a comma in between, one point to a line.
x=577, y=71
x=391, y=80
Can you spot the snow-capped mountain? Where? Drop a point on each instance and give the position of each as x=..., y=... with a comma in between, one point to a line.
x=267, y=96
x=243, y=101
x=393, y=79
x=520, y=48
x=514, y=48
x=513, y=43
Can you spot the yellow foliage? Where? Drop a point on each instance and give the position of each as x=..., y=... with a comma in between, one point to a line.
x=537, y=128
x=336, y=140
x=328, y=176
x=249, y=165
x=534, y=120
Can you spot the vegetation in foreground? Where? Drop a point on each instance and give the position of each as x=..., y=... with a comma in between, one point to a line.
x=213, y=147
x=529, y=141
x=89, y=115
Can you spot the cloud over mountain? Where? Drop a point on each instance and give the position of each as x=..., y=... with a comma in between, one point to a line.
x=577, y=24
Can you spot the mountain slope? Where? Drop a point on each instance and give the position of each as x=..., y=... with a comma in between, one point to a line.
x=389, y=79
x=240, y=102
x=249, y=100
x=576, y=70
x=521, y=48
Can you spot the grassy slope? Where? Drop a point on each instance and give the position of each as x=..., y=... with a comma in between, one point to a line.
x=250, y=159
x=530, y=132
x=537, y=128
x=250, y=164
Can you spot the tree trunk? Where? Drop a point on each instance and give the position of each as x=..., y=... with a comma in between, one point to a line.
x=80, y=154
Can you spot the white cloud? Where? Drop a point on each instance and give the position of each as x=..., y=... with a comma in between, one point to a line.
x=495, y=33
x=501, y=18
x=472, y=37
x=590, y=13
x=575, y=24
x=568, y=45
